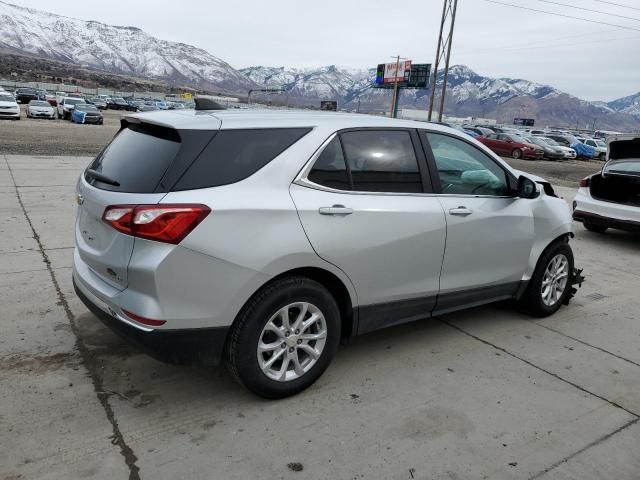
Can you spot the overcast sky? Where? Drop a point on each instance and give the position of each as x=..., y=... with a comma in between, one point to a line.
x=589, y=60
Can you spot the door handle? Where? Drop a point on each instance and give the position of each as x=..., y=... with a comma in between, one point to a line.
x=335, y=210
x=460, y=211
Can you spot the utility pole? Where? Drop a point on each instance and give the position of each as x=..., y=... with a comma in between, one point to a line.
x=394, y=98
x=449, y=8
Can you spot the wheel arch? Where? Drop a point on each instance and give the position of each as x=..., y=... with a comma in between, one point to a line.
x=334, y=284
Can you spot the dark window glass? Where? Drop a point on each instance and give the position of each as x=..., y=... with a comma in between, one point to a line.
x=465, y=170
x=382, y=161
x=136, y=158
x=330, y=168
x=233, y=155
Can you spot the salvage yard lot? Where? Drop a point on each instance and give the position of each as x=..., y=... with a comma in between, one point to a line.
x=486, y=393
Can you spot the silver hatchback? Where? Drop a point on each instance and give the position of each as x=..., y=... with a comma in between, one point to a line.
x=261, y=238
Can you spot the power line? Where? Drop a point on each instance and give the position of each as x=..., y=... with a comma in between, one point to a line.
x=563, y=15
x=617, y=4
x=590, y=10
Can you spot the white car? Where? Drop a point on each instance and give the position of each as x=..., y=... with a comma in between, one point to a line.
x=611, y=198
x=40, y=109
x=599, y=145
x=9, y=108
x=66, y=106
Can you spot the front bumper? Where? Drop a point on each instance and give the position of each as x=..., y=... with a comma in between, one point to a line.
x=42, y=114
x=9, y=114
x=185, y=346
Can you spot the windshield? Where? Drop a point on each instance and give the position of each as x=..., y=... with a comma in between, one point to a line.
x=628, y=166
x=517, y=138
x=38, y=103
x=73, y=101
x=86, y=108
x=7, y=98
x=549, y=141
x=600, y=143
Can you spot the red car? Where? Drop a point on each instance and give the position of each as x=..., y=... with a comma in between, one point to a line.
x=509, y=145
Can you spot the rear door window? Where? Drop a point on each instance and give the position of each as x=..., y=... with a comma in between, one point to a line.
x=382, y=161
x=330, y=169
x=234, y=155
x=137, y=158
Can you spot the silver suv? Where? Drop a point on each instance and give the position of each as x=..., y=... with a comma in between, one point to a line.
x=261, y=238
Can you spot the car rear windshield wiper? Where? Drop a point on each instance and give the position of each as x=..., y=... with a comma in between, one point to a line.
x=102, y=178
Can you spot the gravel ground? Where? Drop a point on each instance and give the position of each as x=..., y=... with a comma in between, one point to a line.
x=56, y=137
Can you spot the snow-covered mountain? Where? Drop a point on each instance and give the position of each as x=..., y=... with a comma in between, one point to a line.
x=124, y=50
x=468, y=94
x=630, y=104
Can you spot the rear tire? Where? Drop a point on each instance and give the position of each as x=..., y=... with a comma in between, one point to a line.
x=595, y=228
x=534, y=302
x=286, y=297
x=516, y=153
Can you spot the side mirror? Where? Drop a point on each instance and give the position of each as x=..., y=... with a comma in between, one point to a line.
x=527, y=188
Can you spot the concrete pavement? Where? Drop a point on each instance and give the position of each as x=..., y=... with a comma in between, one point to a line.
x=487, y=393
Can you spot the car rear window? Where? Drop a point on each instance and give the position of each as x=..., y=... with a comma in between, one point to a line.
x=137, y=158
x=234, y=155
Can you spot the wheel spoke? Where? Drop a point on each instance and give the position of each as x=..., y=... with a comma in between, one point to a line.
x=284, y=316
x=310, y=321
x=296, y=363
x=272, y=327
x=312, y=352
x=274, y=357
x=307, y=337
x=268, y=347
x=303, y=313
x=282, y=373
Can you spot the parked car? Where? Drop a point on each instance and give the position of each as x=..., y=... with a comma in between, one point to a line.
x=511, y=145
x=550, y=152
x=175, y=250
x=147, y=107
x=117, y=103
x=51, y=99
x=599, y=145
x=133, y=103
x=40, y=109
x=42, y=94
x=611, y=198
x=479, y=130
x=569, y=153
x=98, y=102
x=66, y=106
x=25, y=95
x=9, y=108
x=86, y=113
x=563, y=139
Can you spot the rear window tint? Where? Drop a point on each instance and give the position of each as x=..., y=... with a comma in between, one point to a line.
x=137, y=158
x=233, y=155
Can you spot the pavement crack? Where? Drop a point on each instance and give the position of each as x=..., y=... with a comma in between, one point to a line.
x=548, y=372
x=87, y=358
x=588, y=344
x=584, y=449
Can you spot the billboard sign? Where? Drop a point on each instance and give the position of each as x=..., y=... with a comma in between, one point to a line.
x=418, y=76
x=393, y=72
x=525, y=122
x=329, y=105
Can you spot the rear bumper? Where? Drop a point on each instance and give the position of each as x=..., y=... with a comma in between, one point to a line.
x=602, y=221
x=185, y=346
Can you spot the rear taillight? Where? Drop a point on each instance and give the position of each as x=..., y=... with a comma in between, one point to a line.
x=584, y=182
x=168, y=223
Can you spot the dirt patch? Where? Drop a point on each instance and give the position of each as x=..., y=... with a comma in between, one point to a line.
x=567, y=173
x=36, y=363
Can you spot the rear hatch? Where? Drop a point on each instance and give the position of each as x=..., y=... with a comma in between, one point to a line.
x=137, y=168
x=619, y=180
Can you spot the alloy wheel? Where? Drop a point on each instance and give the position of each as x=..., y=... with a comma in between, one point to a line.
x=292, y=341
x=555, y=279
